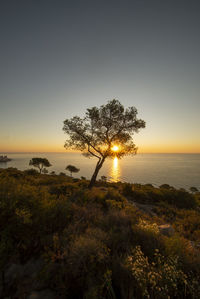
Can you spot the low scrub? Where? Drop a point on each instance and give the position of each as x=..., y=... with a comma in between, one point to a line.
x=95, y=243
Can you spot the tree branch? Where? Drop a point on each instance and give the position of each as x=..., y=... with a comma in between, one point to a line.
x=89, y=143
x=93, y=153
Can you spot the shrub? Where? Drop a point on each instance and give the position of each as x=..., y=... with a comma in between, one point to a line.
x=147, y=236
x=166, y=186
x=66, y=189
x=118, y=225
x=188, y=224
x=31, y=172
x=81, y=267
x=180, y=199
x=161, y=278
x=127, y=189
x=95, y=242
x=193, y=189
x=62, y=174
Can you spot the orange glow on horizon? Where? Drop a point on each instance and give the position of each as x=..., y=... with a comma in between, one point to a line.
x=142, y=148
x=169, y=149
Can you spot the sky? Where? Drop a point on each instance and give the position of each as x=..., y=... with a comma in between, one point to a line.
x=58, y=58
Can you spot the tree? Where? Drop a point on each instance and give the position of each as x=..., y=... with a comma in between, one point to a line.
x=39, y=163
x=72, y=168
x=104, y=132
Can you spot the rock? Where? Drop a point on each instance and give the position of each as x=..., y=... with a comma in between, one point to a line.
x=44, y=294
x=24, y=278
x=30, y=269
x=14, y=271
x=166, y=229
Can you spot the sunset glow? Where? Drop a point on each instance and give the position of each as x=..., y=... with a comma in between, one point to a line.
x=52, y=77
x=115, y=148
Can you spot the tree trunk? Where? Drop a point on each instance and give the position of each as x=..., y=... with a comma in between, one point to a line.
x=94, y=176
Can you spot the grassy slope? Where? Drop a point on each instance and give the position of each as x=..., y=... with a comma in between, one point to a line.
x=99, y=243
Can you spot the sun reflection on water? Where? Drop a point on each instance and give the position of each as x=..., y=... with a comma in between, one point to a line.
x=115, y=170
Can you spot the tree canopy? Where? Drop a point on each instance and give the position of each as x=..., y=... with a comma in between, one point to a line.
x=72, y=168
x=104, y=132
x=40, y=163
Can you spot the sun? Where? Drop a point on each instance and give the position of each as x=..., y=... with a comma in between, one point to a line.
x=115, y=148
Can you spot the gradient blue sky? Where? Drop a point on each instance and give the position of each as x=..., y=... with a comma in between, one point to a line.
x=58, y=58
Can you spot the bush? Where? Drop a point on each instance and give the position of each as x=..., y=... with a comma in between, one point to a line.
x=161, y=278
x=127, y=189
x=82, y=267
x=180, y=199
x=188, y=224
x=96, y=244
x=31, y=172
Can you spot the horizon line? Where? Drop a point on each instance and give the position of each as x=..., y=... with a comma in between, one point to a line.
x=59, y=152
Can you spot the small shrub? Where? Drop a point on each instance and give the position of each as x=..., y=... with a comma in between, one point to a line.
x=166, y=186
x=62, y=174
x=127, y=189
x=160, y=278
x=31, y=171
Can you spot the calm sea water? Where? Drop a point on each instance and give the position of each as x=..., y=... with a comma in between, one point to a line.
x=178, y=170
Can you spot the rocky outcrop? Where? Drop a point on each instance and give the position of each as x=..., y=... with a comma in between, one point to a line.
x=4, y=159
x=24, y=281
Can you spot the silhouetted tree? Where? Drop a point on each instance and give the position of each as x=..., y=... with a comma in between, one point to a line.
x=39, y=163
x=72, y=168
x=103, y=132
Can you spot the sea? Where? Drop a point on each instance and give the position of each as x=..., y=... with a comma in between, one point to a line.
x=177, y=170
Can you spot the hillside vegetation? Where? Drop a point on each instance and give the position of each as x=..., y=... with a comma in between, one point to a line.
x=59, y=239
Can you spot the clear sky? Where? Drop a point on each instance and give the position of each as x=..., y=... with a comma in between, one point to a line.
x=59, y=57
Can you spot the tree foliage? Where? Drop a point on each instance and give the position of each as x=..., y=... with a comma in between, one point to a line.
x=101, y=129
x=39, y=163
x=72, y=168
